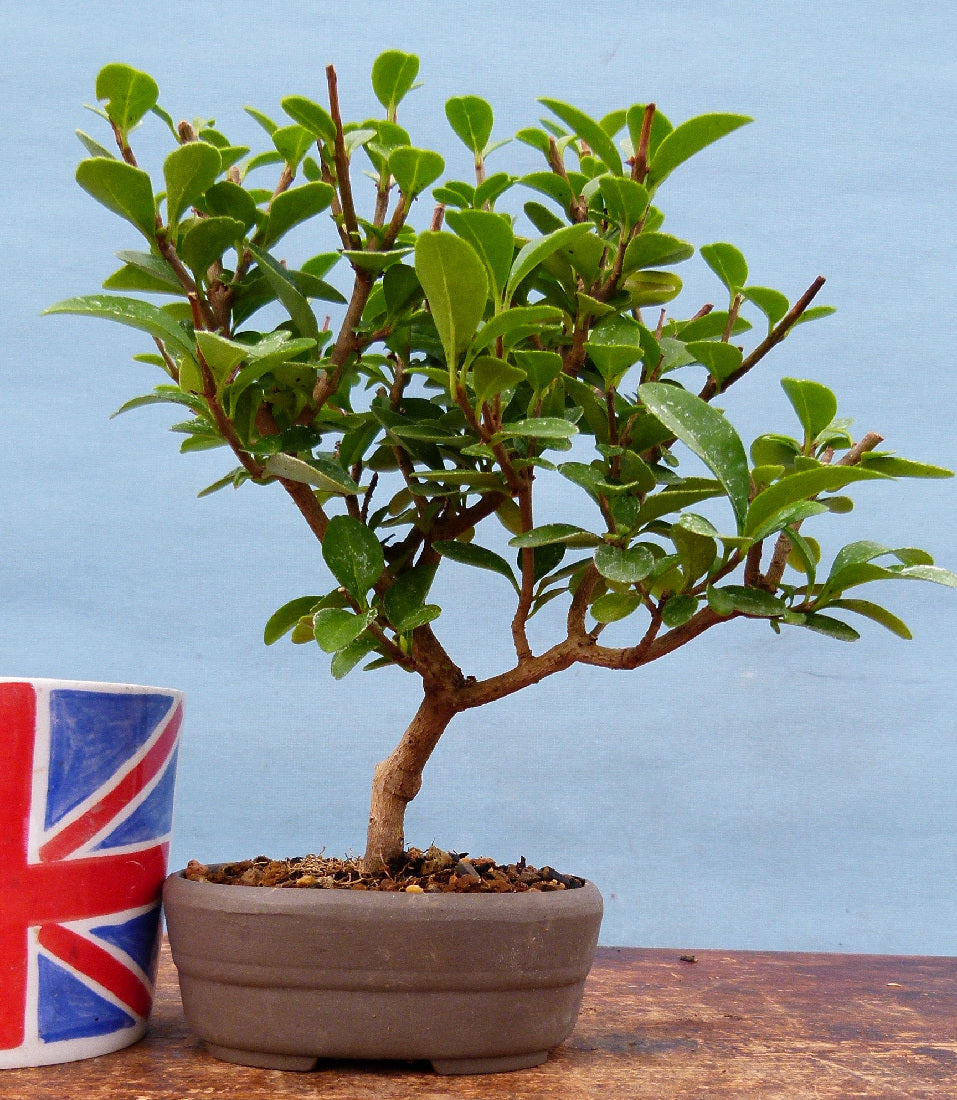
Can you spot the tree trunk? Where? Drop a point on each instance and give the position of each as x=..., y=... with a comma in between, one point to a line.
x=398, y=779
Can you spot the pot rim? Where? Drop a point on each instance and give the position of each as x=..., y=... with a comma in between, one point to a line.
x=290, y=900
x=119, y=688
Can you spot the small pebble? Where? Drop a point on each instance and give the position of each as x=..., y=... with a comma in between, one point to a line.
x=464, y=869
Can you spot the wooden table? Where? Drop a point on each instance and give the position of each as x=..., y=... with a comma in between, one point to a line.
x=729, y=1024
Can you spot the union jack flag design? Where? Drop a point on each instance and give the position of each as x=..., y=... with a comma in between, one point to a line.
x=86, y=792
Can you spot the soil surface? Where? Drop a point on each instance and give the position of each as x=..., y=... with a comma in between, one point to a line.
x=433, y=871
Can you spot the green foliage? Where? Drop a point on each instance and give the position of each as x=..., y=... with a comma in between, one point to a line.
x=190, y=170
x=466, y=360
x=453, y=277
x=471, y=118
x=120, y=187
x=393, y=75
x=129, y=93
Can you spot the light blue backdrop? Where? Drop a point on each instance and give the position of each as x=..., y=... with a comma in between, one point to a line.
x=750, y=792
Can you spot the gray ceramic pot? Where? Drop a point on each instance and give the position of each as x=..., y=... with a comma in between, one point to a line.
x=473, y=983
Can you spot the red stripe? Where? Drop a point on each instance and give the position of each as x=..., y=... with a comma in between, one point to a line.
x=98, y=965
x=17, y=715
x=79, y=888
x=74, y=836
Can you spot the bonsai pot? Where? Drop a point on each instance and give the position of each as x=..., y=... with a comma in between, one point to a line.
x=473, y=983
x=86, y=801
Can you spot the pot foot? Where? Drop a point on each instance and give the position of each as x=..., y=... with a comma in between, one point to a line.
x=504, y=1064
x=263, y=1059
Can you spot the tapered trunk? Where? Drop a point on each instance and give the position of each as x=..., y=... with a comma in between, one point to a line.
x=398, y=779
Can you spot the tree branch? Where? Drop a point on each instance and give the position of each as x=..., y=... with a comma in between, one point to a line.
x=775, y=336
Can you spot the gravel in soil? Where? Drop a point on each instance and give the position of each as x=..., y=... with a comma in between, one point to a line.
x=431, y=871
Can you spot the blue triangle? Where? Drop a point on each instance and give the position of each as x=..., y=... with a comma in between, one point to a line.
x=137, y=937
x=68, y=1009
x=152, y=819
x=92, y=734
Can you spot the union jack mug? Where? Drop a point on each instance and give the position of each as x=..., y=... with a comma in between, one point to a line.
x=86, y=803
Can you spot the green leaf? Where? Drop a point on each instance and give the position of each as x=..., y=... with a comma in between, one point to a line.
x=94, y=148
x=515, y=324
x=538, y=427
x=393, y=75
x=292, y=143
x=404, y=602
x=325, y=475
x=674, y=500
x=401, y=289
x=291, y=207
x=614, y=606
x=131, y=277
x=625, y=200
x=727, y=263
x=901, y=467
x=708, y=434
x=687, y=139
x=120, y=187
x=733, y=599
x=154, y=266
x=815, y=405
x=287, y=291
x=493, y=186
x=652, y=288
x=614, y=345
x=354, y=555
x=228, y=199
x=548, y=183
x=471, y=118
x=314, y=118
x=415, y=169
x=931, y=573
x=221, y=355
x=346, y=659
x=772, y=303
x=264, y=120
x=555, y=532
x=476, y=479
x=540, y=367
x=129, y=311
x=189, y=171
x=207, y=239
x=335, y=628
x=283, y=620
x=804, y=555
x=467, y=553
x=877, y=614
x=721, y=359
x=831, y=628
x=815, y=313
x=453, y=277
x=491, y=375
x=536, y=251
x=492, y=238
x=791, y=513
x=655, y=250
x=624, y=566
x=589, y=131
x=678, y=610
x=129, y=93
x=800, y=486
x=374, y=261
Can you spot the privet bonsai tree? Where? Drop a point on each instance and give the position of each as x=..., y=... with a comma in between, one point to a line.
x=512, y=331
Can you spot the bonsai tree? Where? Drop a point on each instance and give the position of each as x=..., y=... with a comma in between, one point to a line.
x=522, y=336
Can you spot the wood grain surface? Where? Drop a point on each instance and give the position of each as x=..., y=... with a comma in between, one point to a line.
x=729, y=1024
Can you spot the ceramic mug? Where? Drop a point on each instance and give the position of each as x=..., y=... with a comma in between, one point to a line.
x=86, y=801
